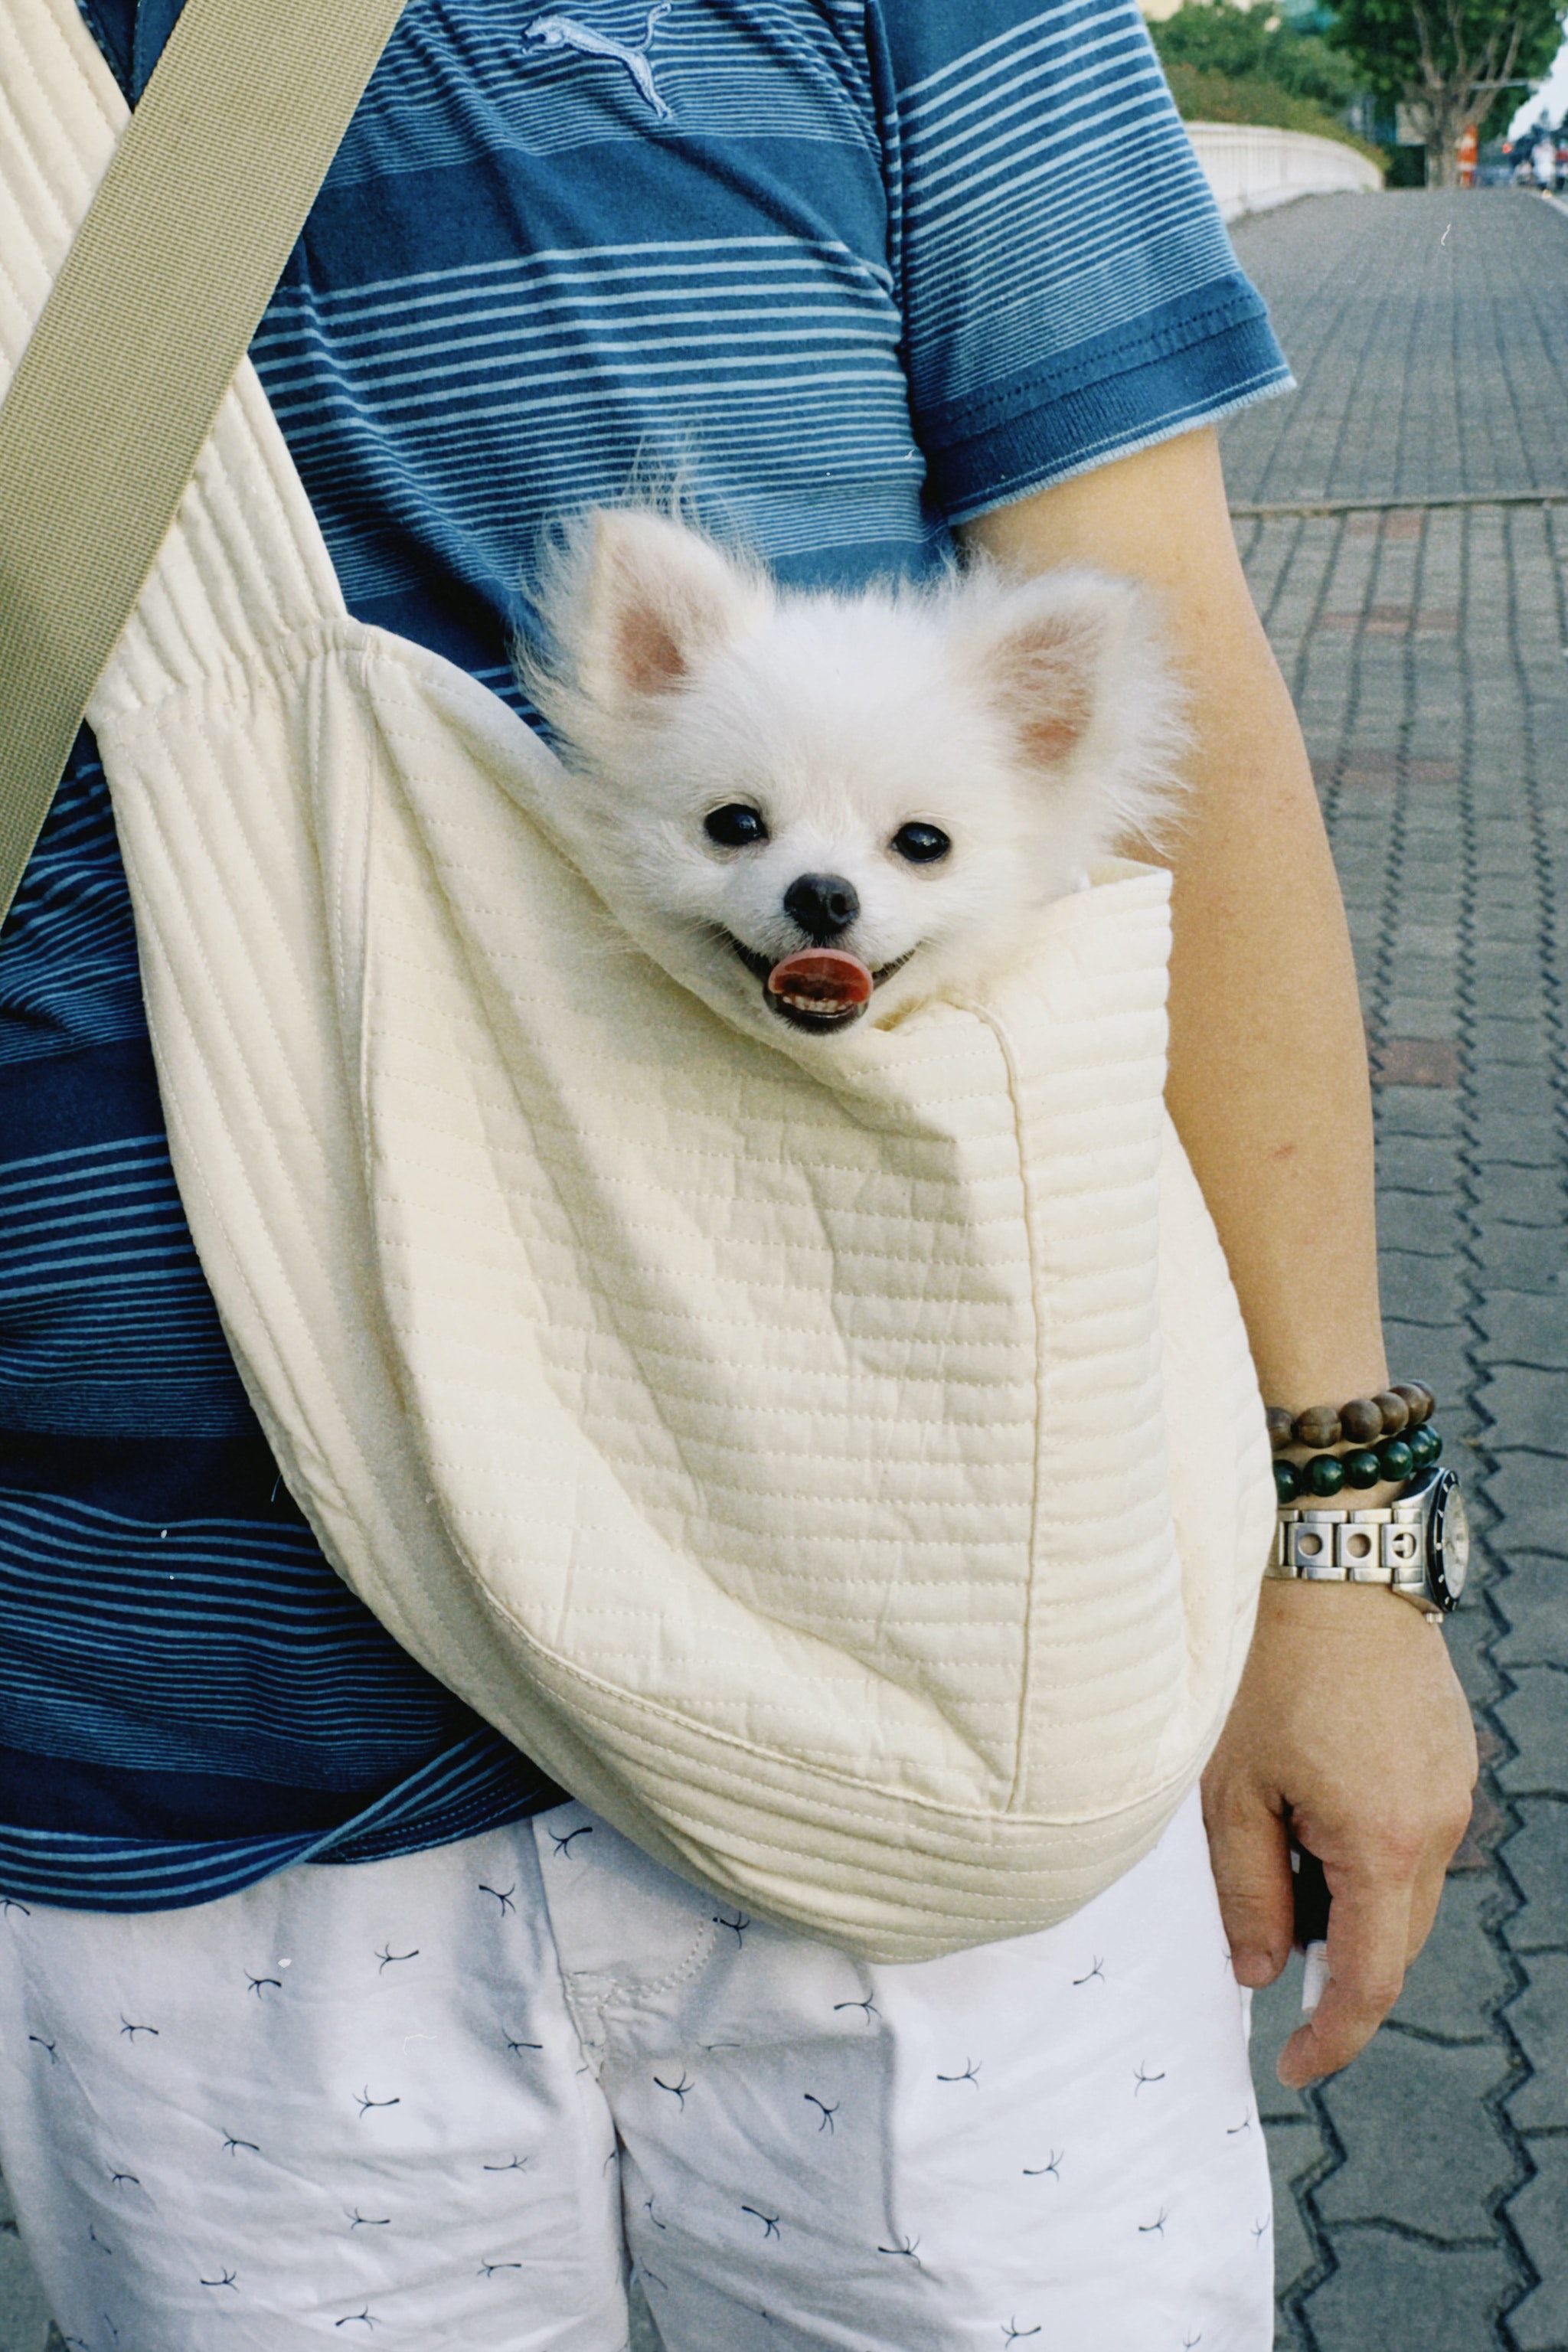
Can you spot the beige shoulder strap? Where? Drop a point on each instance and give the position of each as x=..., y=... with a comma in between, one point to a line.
x=119, y=385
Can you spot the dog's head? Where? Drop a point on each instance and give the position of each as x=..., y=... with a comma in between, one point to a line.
x=840, y=803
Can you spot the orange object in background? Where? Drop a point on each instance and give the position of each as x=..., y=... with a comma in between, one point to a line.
x=1469, y=153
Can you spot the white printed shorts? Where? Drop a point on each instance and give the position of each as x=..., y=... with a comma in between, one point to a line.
x=431, y=2104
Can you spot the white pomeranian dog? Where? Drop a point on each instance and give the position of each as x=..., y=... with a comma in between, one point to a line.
x=827, y=807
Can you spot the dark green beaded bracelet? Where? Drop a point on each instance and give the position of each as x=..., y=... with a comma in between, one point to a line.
x=1395, y=1458
x=1326, y=1473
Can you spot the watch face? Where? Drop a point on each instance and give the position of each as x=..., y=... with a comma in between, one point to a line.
x=1450, y=1553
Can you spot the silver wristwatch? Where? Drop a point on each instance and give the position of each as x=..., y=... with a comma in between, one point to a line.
x=1418, y=1545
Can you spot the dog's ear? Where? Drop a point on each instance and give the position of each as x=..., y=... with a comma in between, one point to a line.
x=659, y=599
x=1051, y=653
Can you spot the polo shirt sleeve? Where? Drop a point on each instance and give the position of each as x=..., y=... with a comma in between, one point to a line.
x=1068, y=290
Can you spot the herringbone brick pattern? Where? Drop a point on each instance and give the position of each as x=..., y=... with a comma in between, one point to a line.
x=1429, y=339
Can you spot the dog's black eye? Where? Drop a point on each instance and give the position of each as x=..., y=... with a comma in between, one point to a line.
x=734, y=826
x=923, y=845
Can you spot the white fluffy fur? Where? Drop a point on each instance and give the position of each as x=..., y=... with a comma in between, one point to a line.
x=1031, y=718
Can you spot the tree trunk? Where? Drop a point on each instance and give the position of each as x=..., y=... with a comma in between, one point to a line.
x=1443, y=112
x=1442, y=165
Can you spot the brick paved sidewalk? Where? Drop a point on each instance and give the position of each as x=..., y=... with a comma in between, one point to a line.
x=1429, y=337
x=1422, y=2196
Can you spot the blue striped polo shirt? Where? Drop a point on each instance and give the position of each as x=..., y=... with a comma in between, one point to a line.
x=849, y=273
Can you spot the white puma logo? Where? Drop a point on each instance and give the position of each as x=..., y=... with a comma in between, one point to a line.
x=566, y=33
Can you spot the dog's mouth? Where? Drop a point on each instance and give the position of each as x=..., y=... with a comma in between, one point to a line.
x=820, y=989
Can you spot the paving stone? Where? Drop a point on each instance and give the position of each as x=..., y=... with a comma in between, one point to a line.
x=1526, y=1196
x=1526, y=1044
x=1527, y=1490
x=1523, y=1328
x=1527, y=1408
x=1520, y=1257
x=1416, y=1111
x=1401, y=2096
x=1393, y=2294
x=1428, y=936
x=1508, y=926
x=1411, y=1164
x=1520, y=1141
x=1425, y=1226
x=1536, y=1858
x=1496, y=1088
x=1428, y=1011
x=1422, y=997
x=1458, y=1976
x=1532, y=1595
x=1411, y=1045
x=1508, y=864
x=1436, y=1354
x=1539, y=2213
x=1420, y=1290
x=1534, y=1715
x=1538, y=2017
x=1500, y=901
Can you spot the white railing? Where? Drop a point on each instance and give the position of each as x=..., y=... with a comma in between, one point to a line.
x=1251, y=167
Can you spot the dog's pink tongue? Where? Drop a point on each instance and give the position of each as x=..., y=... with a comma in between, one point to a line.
x=822, y=979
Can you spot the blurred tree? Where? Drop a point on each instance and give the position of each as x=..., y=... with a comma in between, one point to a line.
x=1251, y=44
x=1230, y=64
x=1448, y=61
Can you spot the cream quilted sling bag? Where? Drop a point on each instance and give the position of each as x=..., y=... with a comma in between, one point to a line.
x=854, y=1488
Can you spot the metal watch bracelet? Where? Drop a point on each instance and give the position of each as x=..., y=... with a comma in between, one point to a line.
x=1417, y=1545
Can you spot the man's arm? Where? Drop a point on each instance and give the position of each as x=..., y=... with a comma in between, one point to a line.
x=1349, y=1712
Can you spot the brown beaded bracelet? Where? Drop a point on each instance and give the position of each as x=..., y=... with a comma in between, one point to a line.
x=1364, y=1421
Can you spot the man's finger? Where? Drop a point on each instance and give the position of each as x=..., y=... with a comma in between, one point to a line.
x=1368, y=1942
x=1252, y=1875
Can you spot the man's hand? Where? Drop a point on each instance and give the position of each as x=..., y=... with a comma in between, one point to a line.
x=1350, y=1714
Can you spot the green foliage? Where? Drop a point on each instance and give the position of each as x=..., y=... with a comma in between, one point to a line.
x=1252, y=44
x=1206, y=97
x=1467, y=42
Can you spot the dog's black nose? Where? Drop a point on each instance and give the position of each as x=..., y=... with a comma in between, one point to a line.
x=822, y=904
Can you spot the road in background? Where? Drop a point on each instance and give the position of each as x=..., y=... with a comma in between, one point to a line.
x=1429, y=339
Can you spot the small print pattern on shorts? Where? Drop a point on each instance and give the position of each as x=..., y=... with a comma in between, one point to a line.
x=434, y=2101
